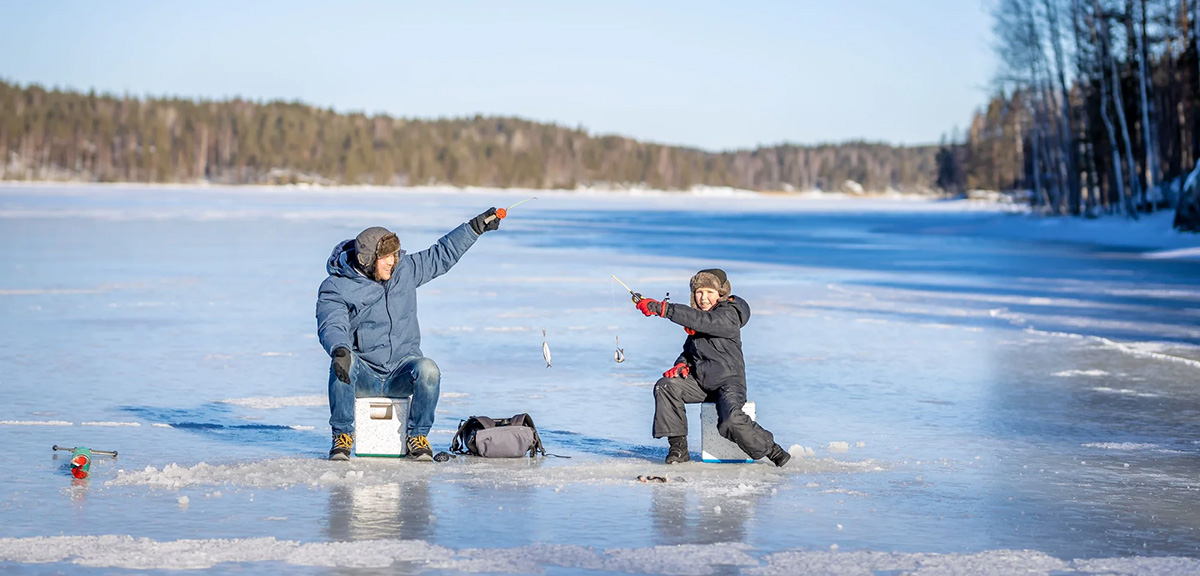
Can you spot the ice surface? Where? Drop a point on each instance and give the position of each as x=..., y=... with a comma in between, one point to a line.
x=964, y=390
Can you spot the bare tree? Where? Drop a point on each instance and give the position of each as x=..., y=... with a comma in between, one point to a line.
x=1151, y=192
x=1119, y=104
x=1068, y=173
x=1021, y=50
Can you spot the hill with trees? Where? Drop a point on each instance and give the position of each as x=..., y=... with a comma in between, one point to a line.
x=65, y=135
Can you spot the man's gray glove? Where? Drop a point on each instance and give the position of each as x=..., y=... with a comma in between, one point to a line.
x=341, y=364
x=481, y=223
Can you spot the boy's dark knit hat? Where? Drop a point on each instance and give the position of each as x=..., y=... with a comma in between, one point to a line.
x=714, y=278
x=374, y=242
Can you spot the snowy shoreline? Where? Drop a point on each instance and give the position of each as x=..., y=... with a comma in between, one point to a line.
x=1152, y=233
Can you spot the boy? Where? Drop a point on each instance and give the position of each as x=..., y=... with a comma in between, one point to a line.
x=710, y=369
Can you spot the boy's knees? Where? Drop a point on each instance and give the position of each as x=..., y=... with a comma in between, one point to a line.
x=735, y=418
x=666, y=387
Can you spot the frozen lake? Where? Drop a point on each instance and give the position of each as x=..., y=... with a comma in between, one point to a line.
x=958, y=398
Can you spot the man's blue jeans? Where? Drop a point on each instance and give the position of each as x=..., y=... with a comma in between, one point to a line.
x=416, y=376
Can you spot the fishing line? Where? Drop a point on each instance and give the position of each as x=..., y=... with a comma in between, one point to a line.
x=619, y=355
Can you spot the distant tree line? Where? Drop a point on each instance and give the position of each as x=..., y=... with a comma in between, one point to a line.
x=66, y=135
x=1098, y=110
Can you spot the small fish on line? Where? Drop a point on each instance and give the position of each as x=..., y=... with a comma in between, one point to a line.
x=545, y=349
x=620, y=355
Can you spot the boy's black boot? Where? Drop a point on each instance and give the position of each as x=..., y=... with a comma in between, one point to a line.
x=678, y=451
x=779, y=456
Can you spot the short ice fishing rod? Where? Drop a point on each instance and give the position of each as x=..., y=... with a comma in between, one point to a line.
x=636, y=296
x=100, y=452
x=81, y=459
x=501, y=213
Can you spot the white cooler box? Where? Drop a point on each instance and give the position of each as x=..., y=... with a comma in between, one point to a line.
x=713, y=446
x=380, y=427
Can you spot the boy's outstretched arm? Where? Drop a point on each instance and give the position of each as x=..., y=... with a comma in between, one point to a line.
x=723, y=322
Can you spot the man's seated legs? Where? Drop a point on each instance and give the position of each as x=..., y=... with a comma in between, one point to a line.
x=420, y=378
x=363, y=382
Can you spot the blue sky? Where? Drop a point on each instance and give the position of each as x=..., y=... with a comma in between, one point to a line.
x=715, y=75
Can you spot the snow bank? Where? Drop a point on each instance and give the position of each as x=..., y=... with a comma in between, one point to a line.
x=287, y=472
x=35, y=423
x=128, y=553
x=1070, y=373
x=1125, y=446
x=981, y=564
x=1151, y=232
x=1124, y=392
x=1145, y=349
x=269, y=402
x=1180, y=254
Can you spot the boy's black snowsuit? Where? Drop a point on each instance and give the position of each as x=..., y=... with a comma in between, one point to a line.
x=713, y=354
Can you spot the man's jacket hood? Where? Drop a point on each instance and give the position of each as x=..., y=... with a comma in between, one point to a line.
x=340, y=262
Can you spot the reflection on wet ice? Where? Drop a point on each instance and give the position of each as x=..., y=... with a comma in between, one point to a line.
x=385, y=511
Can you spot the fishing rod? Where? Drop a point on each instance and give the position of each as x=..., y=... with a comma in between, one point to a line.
x=81, y=459
x=100, y=452
x=636, y=296
x=501, y=213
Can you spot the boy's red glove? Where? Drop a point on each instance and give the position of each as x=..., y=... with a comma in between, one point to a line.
x=652, y=307
x=680, y=370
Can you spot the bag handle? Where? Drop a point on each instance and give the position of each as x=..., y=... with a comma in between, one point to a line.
x=459, y=445
x=536, y=448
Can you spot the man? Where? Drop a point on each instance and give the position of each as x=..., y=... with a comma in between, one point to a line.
x=367, y=322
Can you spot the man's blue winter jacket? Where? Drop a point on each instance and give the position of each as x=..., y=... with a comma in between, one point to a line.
x=378, y=320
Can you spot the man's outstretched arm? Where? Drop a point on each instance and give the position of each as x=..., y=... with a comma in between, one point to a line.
x=439, y=258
